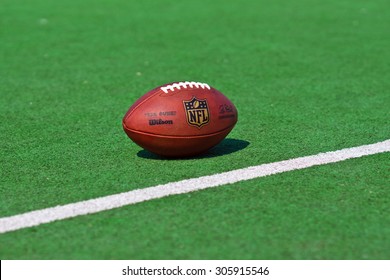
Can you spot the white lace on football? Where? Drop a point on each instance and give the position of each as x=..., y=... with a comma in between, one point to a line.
x=180, y=85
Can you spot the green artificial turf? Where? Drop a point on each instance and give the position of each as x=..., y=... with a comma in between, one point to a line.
x=318, y=213
x=306, y=77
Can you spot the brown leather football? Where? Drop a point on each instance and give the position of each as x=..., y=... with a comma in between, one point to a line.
x=180, y=119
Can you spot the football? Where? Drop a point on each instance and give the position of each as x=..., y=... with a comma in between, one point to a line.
x=180, y=119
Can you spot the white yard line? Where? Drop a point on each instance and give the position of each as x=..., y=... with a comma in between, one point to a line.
x=62, y=212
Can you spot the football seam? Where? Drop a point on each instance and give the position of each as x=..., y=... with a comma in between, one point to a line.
x=173, y=136
x=132, y=111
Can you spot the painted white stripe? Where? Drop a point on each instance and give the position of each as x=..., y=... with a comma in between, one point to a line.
x=51, y=214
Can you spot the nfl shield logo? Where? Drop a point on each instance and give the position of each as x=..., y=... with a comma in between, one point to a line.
x=197, y=112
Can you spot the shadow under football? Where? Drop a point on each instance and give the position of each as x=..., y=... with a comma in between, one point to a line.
x=227, y=146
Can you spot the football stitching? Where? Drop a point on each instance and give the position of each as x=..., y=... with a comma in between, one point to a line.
x=180, y=85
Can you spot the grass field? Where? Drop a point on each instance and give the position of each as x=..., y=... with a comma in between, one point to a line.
x=306, y=77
